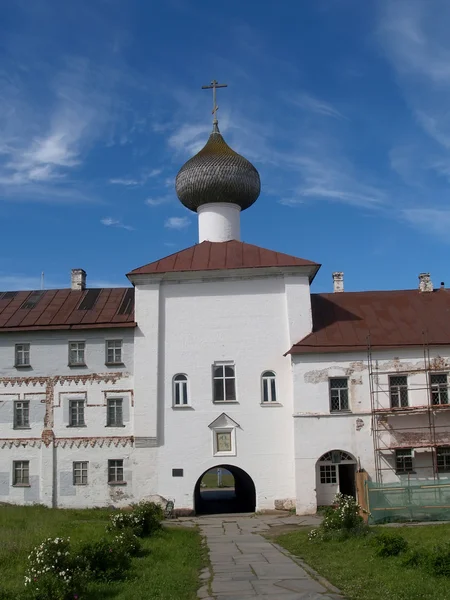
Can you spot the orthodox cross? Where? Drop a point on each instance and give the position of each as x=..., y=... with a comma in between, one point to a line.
x=214, y=85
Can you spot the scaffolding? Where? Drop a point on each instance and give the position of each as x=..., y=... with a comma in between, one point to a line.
x=391, y=425
x=416, y=494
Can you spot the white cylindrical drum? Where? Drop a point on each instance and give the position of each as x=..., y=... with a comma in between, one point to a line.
x=219, y=222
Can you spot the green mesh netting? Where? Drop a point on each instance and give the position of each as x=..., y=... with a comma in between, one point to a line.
x=391, y=502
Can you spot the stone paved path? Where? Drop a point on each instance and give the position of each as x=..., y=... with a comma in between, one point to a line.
x=247, y=566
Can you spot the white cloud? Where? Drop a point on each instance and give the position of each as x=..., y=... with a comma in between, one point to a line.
x=158, y=200
x=120, y=181
x=189, y=138
x=110, y=222
x=177, y=223
x=43, y=142
x=133, y=181
x=414, y=37
x=430, y=221
x=312, y=104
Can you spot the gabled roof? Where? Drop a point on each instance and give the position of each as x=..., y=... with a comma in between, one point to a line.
x=343, y=322
x=214, y=256
x=93, y=308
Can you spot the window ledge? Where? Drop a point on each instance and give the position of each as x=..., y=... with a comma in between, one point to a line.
x=114, y=426
x=182, y=407
x=18, y=428
x=80, y=484
x=225, y=402
x=341, y=412
x=114, y=364
x=405, y=472
x=77, y=365
x=22, y=366
x=19, y=485
x=75, y=426
x=271, y=404
x=117, y=483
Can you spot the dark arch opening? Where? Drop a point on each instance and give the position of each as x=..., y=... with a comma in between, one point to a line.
x=227, y=500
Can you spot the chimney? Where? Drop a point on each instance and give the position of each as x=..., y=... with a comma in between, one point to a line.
x=78, y=279
x=425, y=283
x=338, y=281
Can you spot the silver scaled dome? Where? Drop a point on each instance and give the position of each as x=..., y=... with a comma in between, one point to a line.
x=217, y=174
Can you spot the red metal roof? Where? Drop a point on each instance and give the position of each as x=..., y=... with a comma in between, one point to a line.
x=60, y=309
x=211, y=256
x=343, y=321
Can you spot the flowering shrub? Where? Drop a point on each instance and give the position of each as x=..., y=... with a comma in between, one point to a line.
x=142, y=520
x=126, y=520
x=341, y=520
x=104, y=560
x=52, y=573
x=128, y=542
x=151, y=514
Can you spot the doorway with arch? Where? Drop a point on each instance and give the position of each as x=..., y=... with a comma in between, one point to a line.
x=335, y=472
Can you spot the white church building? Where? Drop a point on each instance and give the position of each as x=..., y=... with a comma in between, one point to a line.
x=220, y=355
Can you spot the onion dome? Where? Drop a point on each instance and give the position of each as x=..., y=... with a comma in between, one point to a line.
x=217, y=174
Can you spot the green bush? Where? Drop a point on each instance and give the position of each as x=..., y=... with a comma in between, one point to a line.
x=341, y=521
x=143, y=520
x=128, y=542
x=151, y=515
x=415, y=557
x=439, y=560
x=390, y=544
x=104, y=560
x=126, y=520
x=52, y=572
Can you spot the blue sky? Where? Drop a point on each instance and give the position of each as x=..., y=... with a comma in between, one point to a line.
x=342, y=105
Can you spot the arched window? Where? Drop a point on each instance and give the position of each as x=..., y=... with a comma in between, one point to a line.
x=180, y=390
x=269, y=389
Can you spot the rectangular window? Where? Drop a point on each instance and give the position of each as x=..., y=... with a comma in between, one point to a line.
x=114, y=408
x=80, y=473
x=224, y=382
x=115, y=471
x=439, y=388
x=76, y=413
x=398, y=391
x=22, y=414
x=21, y=472
x=22, y=357
x=443, y=460
x=76, y=354
x=328, y=474
x=339, y=394
x=114, y=352
x=404, y=461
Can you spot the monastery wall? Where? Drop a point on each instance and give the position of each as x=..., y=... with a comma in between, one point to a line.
x=196, y=325
x=49, y=442
x=319, y=430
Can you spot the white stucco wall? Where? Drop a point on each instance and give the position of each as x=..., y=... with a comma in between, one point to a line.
x=49, y=384
x=195, y=324
x=318, y=431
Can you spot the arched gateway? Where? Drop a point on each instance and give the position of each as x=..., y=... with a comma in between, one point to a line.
x=241, y=498
x=335, y=472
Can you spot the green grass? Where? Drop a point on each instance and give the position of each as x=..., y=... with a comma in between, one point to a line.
x=353, y=567
x=166, y=570
x=210, y=480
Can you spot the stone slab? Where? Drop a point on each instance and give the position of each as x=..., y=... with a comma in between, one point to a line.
x=227, y=587
x=301, y=585
x=280, y=571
